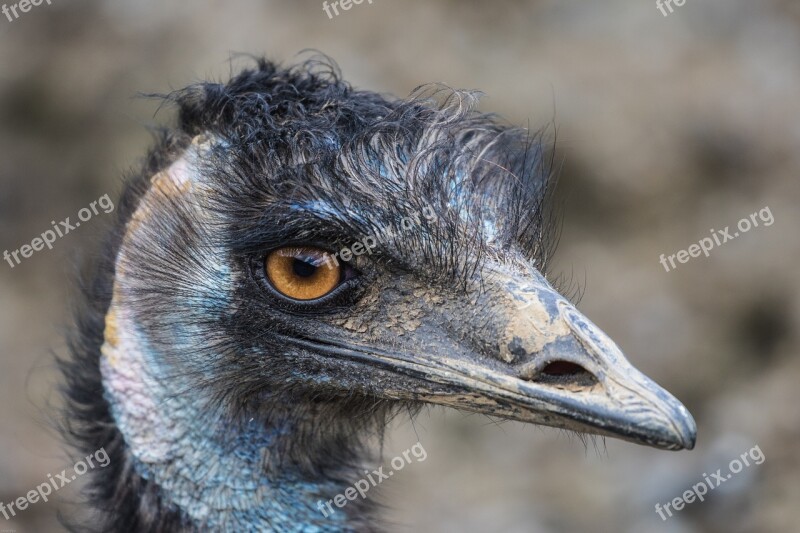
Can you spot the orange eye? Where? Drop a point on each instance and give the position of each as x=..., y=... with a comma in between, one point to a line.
x=302, y=272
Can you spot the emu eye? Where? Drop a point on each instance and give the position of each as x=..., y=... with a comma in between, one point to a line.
x=301, y=272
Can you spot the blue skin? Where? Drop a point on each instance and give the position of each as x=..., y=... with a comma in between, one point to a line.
x=211, y=468
x=220, y=470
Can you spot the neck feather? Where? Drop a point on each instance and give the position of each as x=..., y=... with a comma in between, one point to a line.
x=188, y=451
x=264, y=467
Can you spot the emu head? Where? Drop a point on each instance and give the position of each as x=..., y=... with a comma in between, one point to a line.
x=300, y=254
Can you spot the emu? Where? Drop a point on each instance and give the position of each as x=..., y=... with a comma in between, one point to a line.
x=235, y=374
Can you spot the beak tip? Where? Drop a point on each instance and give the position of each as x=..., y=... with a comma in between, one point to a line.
x=681, y=432
x=689, y=430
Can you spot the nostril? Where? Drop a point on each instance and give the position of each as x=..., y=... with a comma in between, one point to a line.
x=562, y=368
x=565, y=373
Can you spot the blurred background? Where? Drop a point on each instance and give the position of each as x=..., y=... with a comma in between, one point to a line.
x=668, y=126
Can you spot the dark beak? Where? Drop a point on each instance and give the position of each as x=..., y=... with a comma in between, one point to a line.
x=537, y=360
x=561, y=370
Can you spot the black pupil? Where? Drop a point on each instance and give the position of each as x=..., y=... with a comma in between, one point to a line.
x=304, y=269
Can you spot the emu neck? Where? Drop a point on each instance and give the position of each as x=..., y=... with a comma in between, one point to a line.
x=222, y=473
x=263, y=466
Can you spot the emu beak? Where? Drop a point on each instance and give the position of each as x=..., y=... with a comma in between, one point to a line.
x=540, y=361
x=563, y=371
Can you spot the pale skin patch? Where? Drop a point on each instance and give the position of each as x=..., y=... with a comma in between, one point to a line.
x=170, y=182
x=111, y=337
x=532, y=323
x=535, y=325
x=179, y=179
x=124, y=369
x=123, y=362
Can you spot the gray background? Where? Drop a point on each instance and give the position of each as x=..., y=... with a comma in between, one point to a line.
x=667, y=127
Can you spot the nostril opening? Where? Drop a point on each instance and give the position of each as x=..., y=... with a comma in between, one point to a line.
x=565, y=373
x=562, y=368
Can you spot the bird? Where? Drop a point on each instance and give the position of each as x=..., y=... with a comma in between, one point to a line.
x=297, y=261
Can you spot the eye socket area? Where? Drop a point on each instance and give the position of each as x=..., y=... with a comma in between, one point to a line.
x=303, y=273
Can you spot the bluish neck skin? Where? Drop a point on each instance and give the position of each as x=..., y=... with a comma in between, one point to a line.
x=222, y=474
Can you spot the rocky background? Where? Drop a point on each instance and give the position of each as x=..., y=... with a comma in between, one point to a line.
x=667, y=127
